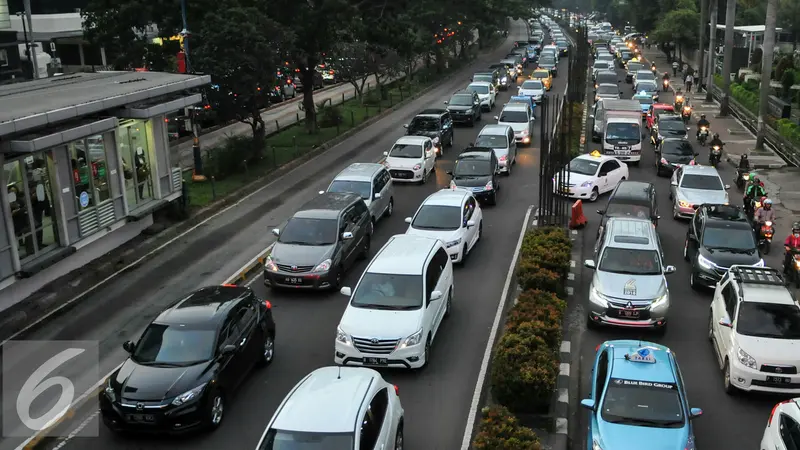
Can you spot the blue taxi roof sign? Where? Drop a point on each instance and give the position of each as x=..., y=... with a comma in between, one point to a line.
x=642, y=355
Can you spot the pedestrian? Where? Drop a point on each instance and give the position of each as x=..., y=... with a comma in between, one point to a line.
x=688, y=82
x=685, y=68
x=675, y=68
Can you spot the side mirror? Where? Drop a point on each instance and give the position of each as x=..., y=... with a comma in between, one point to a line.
x=385, y=153
x=588, y=404
x=470, y=223
x=496, y=118
x=129, y=346
x=725, y=322
x=697, y=154
x=673, y=183
x=405, y=126
x=436, y=295
x=346, y=291
x=727, y=186
x=591, y=116
x=590, y=264
x=321, y=192
x=695, y=413
x=347, y=235
x=276, y=231
x=669, y=269
x=408, y=220
x=450, y=172
x=377, y=195
x=446, y=102
x=228, y=349
x=601, y=211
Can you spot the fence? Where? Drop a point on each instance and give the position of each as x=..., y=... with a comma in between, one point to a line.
x=554, y=178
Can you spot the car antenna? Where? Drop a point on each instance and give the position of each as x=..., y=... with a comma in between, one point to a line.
x=339, y=375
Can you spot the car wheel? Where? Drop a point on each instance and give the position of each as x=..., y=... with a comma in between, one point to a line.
x=661, y=331
x=675, y=212
x=269, y=351
x=390, y=208
x=590, y=324
x=464, y=254
x=367, y=245
x=398, y=438
x=294, y=93
x=693, y=281
x=450, y=141
x=726, y=379
x=337, y=281
x=508, y=169
x=472, y=122
x=686, y=250
x=594, y=195
x=710, y=327
x=449, y=303
x=493, y=198
x=427, y=354
x=480, y=231
x=215, y=410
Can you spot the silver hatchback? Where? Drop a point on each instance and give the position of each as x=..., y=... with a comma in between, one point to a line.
x=372, y=182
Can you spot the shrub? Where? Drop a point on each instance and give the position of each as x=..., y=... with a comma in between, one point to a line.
x=330, y=116
x=229, y=158
x=524, y=372
x=539, y=313
x=544, y=259
x=531, y=275
x=500, y=430
x=789, y=130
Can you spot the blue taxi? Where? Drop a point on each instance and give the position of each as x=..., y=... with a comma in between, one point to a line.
x=525, y=100
x=645, y=101
x=638, y=396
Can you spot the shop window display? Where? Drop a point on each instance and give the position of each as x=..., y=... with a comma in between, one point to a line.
x=89, y=172
x=134, y=149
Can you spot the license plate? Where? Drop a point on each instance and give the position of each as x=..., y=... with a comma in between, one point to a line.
x=293, y=280
x=565, y=191
x=778, y=380
x=630, y=314
x=376, y=361
x=141, y=418
x=621, y=147
x=622, y=152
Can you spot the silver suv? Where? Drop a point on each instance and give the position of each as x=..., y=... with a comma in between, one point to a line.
x=629, y=287
x=372, y=182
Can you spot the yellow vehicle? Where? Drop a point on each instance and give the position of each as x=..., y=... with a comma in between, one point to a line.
x=544, y=76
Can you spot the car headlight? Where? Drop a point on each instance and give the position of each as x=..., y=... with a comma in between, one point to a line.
x=760, y=263
x=684, y=204
x=412, y=340
x=587, y=184
x=504, y=80
x=109, y=391
x=343, y=337
x=417, y=166
x=324, y=266
x=189, y=395
x=746, y=359
x=660, y=301
x=596, y=297
x=269, y=264
x=524, y=132
x=453, y=243
x=489, y=186
x=452, y=184
x=705, y=262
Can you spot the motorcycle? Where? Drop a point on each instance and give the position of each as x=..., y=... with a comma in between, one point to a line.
x=702, y=136
x=653, y=68
x=793, y=271
x=678, y=102
x=715, y=155
x=751, y=205
x=765, y=237
x=686, y=114
x=665, y=83
x=742, y=177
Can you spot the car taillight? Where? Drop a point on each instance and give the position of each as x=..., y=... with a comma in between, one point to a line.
x=664, y=161
x=268, y=304
x=396, y=390
x=775, y=408
x=230, y=285
x=597, y=348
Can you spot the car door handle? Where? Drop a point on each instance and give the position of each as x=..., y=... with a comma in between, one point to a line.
x=243, y=341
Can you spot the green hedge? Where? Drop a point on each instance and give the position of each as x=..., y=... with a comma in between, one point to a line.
x=500, y=430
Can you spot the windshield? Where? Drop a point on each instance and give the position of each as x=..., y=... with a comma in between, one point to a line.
x=680, y=148
x=642, y=403
x=298, y=440
x=362, y=188
x=491, y=141
x=174, y=346
x=425, y=124
x=672, y=125
x=548, y=61
x=583, y=166
x=304, y=231
x=437, y=217
x=630, y=261
x=513, y=117
x=484, y=78
x=388, y=291
x=406, y=151
x=601, y=65
x=769, y=320
x=478, y=88
x=608, y=90
x=705, y=182
x=623, y=131
x=635, y=67
x=461, y=100
x=645, y=100
x=729, y=239
x=530, y=84
x=646, y=86
x=472, y=168
x=606, y=78
x=540, y=75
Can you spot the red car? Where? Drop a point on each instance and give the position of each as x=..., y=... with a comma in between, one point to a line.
x=656, y=110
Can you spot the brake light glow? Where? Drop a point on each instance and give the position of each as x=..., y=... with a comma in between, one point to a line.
x=396, y=390
x=597, y=348
x=775, y=408
x=268, y=304
x=664, y=161
x=229, y=285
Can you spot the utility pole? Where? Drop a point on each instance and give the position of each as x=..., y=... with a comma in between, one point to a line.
x=730, y=18
x=197, y=173
x=712, y=49
x=766, y=68
x=700, y=46
x=32, y=48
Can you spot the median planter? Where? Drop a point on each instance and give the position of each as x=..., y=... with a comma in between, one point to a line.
x=524, y=372
x=500, y=430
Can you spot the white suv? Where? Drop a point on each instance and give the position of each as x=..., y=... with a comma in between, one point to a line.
x=397, y=306
x=337, y=407
x=452, y=216
x=783, y=426
x=754, y=328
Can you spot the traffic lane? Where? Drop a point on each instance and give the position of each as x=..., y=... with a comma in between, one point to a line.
x=728, y=422
x=317, y=350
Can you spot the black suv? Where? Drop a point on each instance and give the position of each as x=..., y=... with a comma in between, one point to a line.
x=719, y=236
x=435, y=124
x=667, y=126
x=320, y=243
x=464, y=107
x=478, y=170
x=635, y=199
x=672, y=153
x=490, y=76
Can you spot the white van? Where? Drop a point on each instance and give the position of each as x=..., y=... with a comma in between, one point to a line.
x=622, y=136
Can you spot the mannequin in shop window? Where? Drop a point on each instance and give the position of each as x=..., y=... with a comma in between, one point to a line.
x=19, y=217
x=40, y=204
x=142, y=170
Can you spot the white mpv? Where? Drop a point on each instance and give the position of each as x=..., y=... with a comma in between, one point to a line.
x=395, y=311
x=411, y=159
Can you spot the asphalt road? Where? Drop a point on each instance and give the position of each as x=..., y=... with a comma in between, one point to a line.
x=436, y=399
x=728, y=422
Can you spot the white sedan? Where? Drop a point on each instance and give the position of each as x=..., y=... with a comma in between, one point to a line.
x=453, y=216
x=486, y=92
x=591, y=176
x=532, y=88
x=411, y=159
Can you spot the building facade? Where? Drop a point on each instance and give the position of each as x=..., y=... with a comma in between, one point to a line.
x=85, y=162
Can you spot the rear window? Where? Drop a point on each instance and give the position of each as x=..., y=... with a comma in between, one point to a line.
x=606, y=78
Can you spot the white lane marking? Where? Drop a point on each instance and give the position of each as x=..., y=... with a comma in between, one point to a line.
x=563, y=395
x=571, y=276
x=566, y=346
x=487, y=353
x=572, y=263
x=570, y=291
x=562, y=425
x=563, y=369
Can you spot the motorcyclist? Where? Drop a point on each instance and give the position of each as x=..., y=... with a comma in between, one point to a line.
x=754, y=190
x=764, y=214
x=716, y=141
x=791, y=244
x=653, y=67
x=675, y=66
x=666, y=76
x=702, y=122
x=744, y=164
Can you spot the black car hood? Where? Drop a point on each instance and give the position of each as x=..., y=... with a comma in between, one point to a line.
x=136, y=382
x=459, y=108
x=677, y=159
x=672, y=133
x=472, y=181
x=430, y=134
x=725, y=258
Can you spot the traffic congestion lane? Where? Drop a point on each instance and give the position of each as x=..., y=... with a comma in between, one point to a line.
x=728, y=421
x=436, y=399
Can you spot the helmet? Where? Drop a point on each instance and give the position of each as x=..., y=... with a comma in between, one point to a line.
x=702, y=116
x=716, y=135
x=796, y=227
x=744, y=157
x=767, y=202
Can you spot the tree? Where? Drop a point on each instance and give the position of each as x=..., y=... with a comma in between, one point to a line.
x=354, y=63
x=790, y=12
x=239, y=46
x=727, y=61
x=766, y=69
x=679, y=26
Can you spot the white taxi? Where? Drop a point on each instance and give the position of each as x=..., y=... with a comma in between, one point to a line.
x=783, y=426
x=589, y=176
x=411, y=159
x=454, y=217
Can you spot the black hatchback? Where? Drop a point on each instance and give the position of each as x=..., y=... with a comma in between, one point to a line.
x=719, y=236
x=631, y=199
x=477, y=169
x=672, y=153
x=435, y=124
x=188, y=362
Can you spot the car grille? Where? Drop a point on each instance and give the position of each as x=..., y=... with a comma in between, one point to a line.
x=375, y=346
x=294, y=269
x=404, y=174
x=616, y=306
x=783, y=370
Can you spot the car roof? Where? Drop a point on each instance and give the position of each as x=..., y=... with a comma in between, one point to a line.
x=463, y=92
x=359, y=172
x=447, y=197
x=659, y=372
x=608, y=85
x=765, y=293
x=509, y=61
x=700, y=170
x=494, y=129
x=541, y=70
x=601, y=158
x=327, y=205
x=412, y=140
x=481, y=83
x=328, y=400
x=474, y=152
x=204, y=308
x=403, y=254
x=606, y=72
x=515, y=107
x=631, y=233
x=432, y=111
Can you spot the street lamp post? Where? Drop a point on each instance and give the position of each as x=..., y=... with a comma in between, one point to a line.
x=32, y=47
x=197, y=174
x=27, y=44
